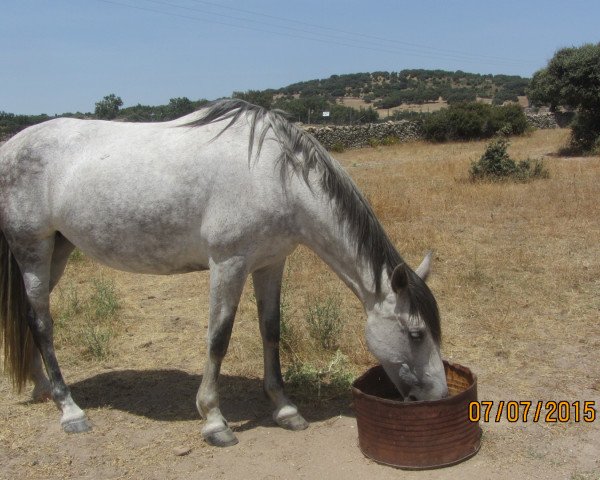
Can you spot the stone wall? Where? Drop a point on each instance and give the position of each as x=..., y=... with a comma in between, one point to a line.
x=334, y=137
x=354, y=136
x=549, y=119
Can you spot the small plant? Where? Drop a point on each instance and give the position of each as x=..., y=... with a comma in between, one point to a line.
x=104, y=299
x=76, y=255
x=70, y=305
x=325, y=322
x=337, y=147
x=496, y=164
x=86, y=320
x=96, y=339
x=309, y=382
x=289, y=335
x=390, y=140
x=374, y=142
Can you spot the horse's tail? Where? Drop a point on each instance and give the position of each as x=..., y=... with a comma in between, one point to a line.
x=14, y=329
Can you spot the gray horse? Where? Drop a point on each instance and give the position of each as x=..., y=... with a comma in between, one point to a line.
x=232, y=188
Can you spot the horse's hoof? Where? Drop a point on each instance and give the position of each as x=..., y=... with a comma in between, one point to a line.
x=293, y=422
x=220, y=438
x=76, y=425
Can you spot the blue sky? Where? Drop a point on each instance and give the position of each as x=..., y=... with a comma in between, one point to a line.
x=64, y=55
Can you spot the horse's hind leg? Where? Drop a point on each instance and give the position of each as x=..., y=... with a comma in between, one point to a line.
x=267, y=288
x=227, y=280
x=42, y=389
x=35, y=260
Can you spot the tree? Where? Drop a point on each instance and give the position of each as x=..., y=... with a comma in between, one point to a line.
x=180, y=106
x=257, y=97
x=572, y=80
x=108, y=107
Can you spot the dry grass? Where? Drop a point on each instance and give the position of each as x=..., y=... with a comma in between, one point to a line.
x=516, y=274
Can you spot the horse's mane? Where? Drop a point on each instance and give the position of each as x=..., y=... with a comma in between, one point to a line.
x=301, y=153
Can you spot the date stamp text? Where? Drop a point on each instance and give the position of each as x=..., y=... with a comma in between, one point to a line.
x=533, y=411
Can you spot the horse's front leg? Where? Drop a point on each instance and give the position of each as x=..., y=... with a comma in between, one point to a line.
x=267, y=288
x=227, y=280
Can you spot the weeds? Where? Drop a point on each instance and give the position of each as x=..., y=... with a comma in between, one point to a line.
x=390, y=140
x=76, y=256
x=337, y=147
x=96, y=339
x=70, y=305
x=86, y=320
x=324, y=322
x=104, y=299
x=311, y=383
x=289, y=338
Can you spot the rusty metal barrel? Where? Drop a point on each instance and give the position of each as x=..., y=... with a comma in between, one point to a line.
x=416, y=435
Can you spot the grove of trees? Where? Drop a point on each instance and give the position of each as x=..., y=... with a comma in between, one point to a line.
x=572, y=80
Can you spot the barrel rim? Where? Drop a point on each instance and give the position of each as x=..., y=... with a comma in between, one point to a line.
x=451, y=399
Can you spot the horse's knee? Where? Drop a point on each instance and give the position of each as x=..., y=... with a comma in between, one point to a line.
x=218, y=340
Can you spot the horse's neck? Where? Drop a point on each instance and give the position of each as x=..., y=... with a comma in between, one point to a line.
x=329, y=239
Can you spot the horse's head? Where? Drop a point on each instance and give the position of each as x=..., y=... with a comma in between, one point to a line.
x=403, y=332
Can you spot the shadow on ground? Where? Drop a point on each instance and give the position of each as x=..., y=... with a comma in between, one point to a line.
x=170, y=395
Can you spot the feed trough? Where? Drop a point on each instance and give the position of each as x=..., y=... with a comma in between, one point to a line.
x=416, y=435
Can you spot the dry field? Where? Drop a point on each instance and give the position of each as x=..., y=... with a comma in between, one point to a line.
x=427, y=107
x=517, y=278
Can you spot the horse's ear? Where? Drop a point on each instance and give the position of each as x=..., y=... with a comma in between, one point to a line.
x=424, y=269
x=399, y=278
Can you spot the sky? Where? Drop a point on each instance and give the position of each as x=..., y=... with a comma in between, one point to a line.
x=65, y=55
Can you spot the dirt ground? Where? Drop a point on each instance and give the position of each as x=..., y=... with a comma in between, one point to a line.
x=525, y=337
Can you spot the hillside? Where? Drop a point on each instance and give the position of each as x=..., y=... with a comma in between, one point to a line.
x=390, y=89
x=349, y=98
x=367, y=97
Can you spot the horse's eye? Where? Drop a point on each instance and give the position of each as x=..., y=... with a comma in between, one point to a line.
x=417, y=334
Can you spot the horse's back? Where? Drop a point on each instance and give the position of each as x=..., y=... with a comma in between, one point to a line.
x=143, y=197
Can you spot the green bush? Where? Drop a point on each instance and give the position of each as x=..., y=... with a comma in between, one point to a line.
x=510, y=119
x=471, y=121
x=495, y=164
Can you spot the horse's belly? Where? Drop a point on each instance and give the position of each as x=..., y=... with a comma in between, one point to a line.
x=160, y=238
x=144, y=253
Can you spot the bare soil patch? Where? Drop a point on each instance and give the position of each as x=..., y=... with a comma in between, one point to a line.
x=517, y=277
